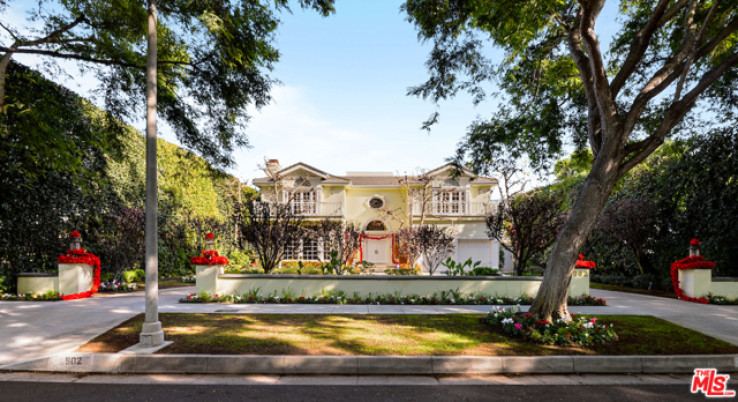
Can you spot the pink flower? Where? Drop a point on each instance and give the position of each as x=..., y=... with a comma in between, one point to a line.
x=593, y=320
x=518, y=326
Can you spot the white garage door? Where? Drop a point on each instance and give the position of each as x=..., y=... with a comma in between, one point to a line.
x=477, y=250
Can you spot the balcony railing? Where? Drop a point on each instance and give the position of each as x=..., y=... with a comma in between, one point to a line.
x=312, y=208
x=452, y=208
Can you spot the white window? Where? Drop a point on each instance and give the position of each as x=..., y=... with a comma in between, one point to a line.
x=305, y=249
x=292, y=250
x=303, y=202
x=310, y=249
x=450, y=202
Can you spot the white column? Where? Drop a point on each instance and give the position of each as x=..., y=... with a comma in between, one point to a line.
x=495, y=254
x=456, y=249
x=509, y=267
x=318, y=199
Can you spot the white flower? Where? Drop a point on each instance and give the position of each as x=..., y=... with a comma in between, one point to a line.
x=507, y=320
x=500, y=301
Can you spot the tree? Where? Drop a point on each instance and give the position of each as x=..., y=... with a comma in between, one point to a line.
x=434, y=244
x=270, y=228
x=213, y=59
x=408, y=244
x=666, y=56
x=529, y=222
x=343, y=239
x=629, y=222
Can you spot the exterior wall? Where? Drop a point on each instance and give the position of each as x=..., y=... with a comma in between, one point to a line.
x=206, y=278
x=695, y=282
x=699, y=282
x=309, y=285
x=333, y=194
x=725, y=288
x=358, y=211
x=37, y=283
x=74, y=278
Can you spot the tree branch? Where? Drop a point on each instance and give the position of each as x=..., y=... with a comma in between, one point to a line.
x=671, y=70
x=674, y=115
x=638, y=48
x=605, y=103
x=582, y=62
x=55, y=34
x=73, y=56
x=15, y=38
x=693, y=50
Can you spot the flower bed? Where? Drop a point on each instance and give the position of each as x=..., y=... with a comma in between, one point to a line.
x=118, y=287
x=449, y=297
x=580, y=330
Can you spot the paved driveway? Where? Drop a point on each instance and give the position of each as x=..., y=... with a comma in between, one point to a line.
x=30, y=330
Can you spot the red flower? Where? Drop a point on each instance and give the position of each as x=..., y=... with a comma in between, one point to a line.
x=581, y=256
x=209, y=236
x=694, y=242
x=74, y=234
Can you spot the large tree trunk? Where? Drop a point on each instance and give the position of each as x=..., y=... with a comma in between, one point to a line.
x=4, y=62
x=550, y=303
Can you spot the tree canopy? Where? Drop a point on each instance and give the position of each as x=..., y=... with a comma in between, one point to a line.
x=558, y=84
x=214, y=59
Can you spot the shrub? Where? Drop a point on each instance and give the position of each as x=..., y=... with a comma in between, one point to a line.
x=580, y=330
x=484, y=271
x=137, y=275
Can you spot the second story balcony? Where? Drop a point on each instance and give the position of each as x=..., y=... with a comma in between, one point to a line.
x=453, y=208
x=313, y=208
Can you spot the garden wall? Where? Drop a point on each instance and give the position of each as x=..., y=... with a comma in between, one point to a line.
x=71, y=279
x=699, y=282
x=211, y=279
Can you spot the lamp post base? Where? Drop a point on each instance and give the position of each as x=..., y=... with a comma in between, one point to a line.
x=151, y=334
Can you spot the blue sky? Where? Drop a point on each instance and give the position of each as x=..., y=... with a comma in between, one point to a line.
x=342, y=105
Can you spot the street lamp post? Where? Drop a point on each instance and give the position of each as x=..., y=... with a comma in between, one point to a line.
x=151, y=332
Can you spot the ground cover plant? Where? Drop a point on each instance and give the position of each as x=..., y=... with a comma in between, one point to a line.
x=444, y=297
x=48, y=296
x=391, y=335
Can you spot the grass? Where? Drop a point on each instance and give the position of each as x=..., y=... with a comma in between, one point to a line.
x=618, y=288
x=389, y=335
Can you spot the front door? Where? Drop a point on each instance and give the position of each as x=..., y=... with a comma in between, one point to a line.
x=376, y=251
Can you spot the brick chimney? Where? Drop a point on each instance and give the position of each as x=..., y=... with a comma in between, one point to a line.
x=272, y=167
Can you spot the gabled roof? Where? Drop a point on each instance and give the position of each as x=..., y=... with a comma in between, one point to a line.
x=368, y=180
x=303, y=166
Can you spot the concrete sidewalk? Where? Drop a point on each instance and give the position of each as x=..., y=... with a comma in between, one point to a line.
x=32, y=330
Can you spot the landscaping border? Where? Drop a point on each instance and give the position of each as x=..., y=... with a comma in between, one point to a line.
x=407, y=365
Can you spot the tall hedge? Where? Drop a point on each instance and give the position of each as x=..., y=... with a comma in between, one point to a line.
x=67, y=165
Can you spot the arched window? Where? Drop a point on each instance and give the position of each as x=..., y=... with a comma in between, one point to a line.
x=451, y=183
x=301, y=182
x=376, y=225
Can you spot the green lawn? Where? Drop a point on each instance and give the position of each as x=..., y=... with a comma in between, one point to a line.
x=403, y=335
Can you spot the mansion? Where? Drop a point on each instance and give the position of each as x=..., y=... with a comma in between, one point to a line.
x=380, y=203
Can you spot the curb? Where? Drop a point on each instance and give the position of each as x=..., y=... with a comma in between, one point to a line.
x=410, y=365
